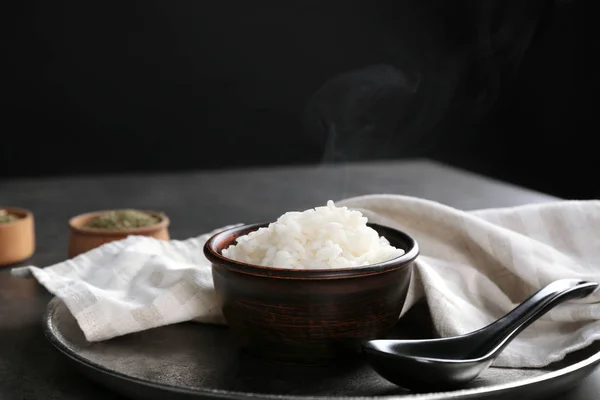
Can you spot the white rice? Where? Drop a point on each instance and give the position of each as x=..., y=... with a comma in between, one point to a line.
x=319, y=238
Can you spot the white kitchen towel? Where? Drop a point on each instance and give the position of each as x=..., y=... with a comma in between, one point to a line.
x=474, y=267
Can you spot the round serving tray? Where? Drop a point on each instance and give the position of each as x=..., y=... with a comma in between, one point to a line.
x=197, y=361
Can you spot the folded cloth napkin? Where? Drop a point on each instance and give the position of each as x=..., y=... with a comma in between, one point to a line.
x=474, y=267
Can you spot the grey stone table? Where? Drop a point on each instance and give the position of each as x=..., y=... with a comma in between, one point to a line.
x=198, y=202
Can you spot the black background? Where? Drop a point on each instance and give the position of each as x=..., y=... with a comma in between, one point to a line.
x=498, y=87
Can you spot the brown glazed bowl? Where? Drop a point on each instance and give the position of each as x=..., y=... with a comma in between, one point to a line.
x=17, y=238
x=84, y=239
x=309, y=316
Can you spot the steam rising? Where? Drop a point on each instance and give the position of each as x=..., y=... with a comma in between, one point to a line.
x=445, y=81
x=359, y=107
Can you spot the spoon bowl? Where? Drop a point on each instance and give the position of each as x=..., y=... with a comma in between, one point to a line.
x=452, y=362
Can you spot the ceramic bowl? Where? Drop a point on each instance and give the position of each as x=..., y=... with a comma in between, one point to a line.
x=309, y=316
x=84, y=239
x=17, y=238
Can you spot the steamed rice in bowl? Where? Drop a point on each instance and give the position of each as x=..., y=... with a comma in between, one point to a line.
x=320, y=238
x=313, y=285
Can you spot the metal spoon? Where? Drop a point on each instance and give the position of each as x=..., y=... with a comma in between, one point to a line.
x=438, y=364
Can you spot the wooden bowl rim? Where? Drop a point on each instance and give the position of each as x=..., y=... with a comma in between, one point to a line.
x=23, y=214
x=76, y=225
x=212, y=251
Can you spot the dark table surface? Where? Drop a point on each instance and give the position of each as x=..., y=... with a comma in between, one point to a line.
x=198, y=202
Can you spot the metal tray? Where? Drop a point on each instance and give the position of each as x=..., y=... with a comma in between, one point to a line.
x=196, y=361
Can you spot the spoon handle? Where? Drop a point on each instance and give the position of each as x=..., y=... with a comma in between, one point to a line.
x=500, y=333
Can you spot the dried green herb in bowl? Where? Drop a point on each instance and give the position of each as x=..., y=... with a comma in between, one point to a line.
x=94, y=229
x=122, y=219
x=6, y=217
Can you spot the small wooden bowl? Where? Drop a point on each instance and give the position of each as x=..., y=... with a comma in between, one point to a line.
x=17, y=238
x=84, y=239
x=309, y=316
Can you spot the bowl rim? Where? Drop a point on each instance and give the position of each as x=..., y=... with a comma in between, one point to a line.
x=23, y=214
x=212, y=253
x=76, y=224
